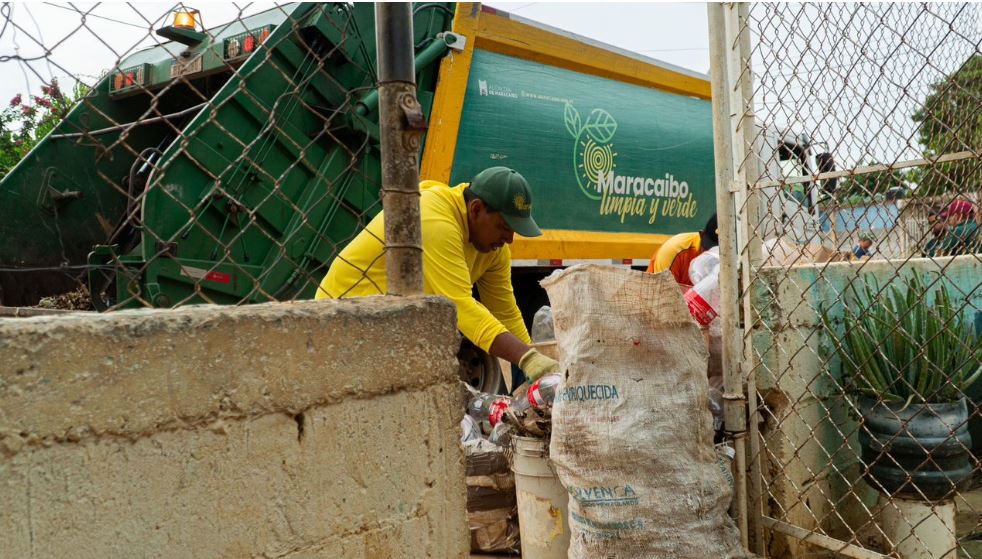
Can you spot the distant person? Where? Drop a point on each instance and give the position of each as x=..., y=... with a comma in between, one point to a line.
x=862, y=250
x=938, y=228
x=679, y=251
x=962, y=235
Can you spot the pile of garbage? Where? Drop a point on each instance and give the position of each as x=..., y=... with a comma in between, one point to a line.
x=492, y=511
x=490, y=422
x=486, y=431
x=703, y=300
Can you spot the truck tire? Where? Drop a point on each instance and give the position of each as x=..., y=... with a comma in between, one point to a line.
x=480, y=370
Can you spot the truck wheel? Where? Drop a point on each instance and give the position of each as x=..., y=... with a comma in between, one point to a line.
x=479, y=369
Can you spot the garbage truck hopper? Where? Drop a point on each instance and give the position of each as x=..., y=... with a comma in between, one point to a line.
x=224, y=166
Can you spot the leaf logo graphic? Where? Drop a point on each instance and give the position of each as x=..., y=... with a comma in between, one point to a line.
x=593, y=154
x=572, y=117
x=600, y=125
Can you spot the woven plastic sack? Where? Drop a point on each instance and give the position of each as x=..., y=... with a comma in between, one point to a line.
x=632, y=435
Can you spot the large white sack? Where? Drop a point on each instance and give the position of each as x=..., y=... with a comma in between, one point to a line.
x=632, y=435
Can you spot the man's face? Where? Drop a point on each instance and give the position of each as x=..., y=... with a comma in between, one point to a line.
x=865, y=244
x=488, y=230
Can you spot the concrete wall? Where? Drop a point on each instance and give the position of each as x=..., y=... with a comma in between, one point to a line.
x=308, y=429
x=811, y=459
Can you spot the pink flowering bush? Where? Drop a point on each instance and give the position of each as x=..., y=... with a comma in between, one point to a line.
x=22, y=125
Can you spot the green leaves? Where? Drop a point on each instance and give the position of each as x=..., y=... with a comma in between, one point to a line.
x=901, y=346
x=948, y=121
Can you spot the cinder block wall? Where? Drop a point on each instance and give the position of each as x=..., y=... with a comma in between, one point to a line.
x=812, y=457
x=309, y=429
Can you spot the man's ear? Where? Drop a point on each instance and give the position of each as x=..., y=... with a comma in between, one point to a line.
x=474, y=207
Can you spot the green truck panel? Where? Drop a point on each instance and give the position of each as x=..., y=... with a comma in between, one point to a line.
x=601, y=155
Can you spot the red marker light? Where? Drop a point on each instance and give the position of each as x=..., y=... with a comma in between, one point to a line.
x=249, y=43
x=129, y=79
x=218, y=277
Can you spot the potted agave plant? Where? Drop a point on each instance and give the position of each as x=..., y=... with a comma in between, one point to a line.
x=911, y=354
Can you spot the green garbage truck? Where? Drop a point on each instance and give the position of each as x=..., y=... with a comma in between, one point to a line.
x=230, y=165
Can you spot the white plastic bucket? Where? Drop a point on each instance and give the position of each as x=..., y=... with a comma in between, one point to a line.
x=542, y=502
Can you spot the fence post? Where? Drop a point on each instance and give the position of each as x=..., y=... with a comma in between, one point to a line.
x=401, y=123
x=734, y=404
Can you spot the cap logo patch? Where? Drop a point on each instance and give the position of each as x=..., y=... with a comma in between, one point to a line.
x=521, y=203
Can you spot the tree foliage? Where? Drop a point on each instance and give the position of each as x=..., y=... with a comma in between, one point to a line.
x=950, y=121
x=873, y=187
x=27, y=119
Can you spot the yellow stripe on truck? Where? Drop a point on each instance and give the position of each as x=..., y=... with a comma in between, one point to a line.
x=586, y=245
x=455, y=69
x=513, y=38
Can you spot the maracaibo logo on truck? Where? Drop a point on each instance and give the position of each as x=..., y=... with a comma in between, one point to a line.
x=620, y=195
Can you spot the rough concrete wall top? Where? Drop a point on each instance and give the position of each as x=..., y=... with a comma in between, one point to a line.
x=67, y=378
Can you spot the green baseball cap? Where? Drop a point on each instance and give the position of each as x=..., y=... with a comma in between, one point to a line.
x=507, y=192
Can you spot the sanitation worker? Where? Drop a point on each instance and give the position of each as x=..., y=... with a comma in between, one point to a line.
x=466, y=230
x=680, y=250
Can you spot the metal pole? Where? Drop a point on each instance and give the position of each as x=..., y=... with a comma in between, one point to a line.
x=749, y=172
x=401, y=123
x=734, y=410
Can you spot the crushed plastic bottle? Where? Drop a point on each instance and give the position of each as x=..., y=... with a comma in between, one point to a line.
x=724, y=458
x=497, y=409
x=479, y=407
x=716, y=407
x=470, y=430
x=703, y=299
x=542, y=393
x=501, y=434
x=542, y=326
x=703, y=265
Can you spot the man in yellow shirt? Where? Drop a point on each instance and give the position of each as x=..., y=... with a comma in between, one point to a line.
x=466, y=231
x=680, y=250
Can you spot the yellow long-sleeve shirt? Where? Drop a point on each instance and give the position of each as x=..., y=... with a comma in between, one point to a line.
x=451, y=267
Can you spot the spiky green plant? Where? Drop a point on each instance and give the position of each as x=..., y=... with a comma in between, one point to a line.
x=904, y=345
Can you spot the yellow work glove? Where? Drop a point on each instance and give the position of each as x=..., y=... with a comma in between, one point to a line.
x=534, y=364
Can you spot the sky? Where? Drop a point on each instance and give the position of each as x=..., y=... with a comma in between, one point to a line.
x=847, y=74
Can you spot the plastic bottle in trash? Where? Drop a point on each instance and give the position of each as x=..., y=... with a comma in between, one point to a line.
x=703, y=265
x=469, y=429
x=543, y=391
x=497, y=409
x=724, y=458
x=516, y=407
x=703, y=299
x=479, y=406
x=501, y=434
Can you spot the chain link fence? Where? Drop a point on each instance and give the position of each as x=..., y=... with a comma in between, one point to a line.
x=853, y=137
x=154, y=158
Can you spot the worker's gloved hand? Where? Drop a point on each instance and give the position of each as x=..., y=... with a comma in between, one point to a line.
x=535, y=364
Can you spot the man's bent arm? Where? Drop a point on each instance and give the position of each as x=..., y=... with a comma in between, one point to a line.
x=508, y=347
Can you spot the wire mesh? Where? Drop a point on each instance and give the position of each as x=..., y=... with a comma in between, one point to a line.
x=167, y=160
x=863, y=306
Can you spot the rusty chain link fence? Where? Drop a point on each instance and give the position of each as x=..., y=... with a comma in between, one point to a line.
x=851, y=146
x=154, y=155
